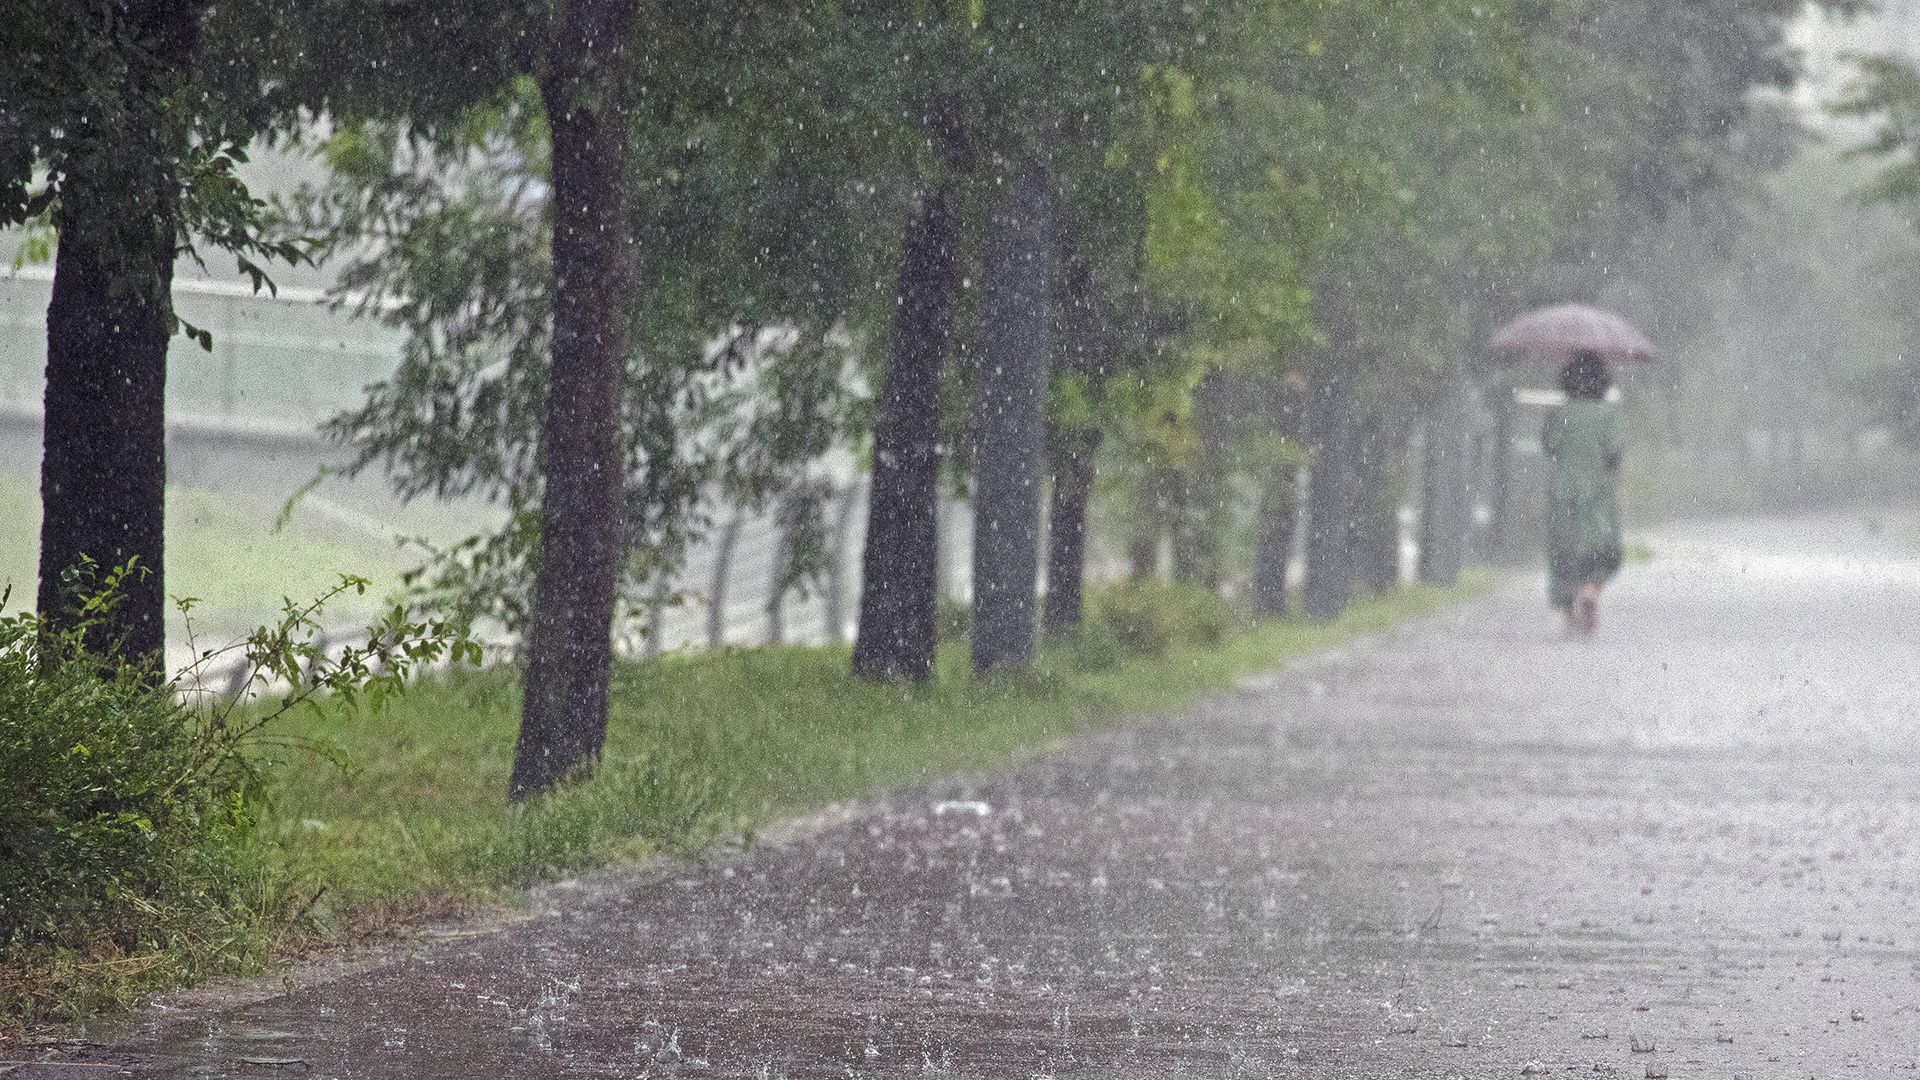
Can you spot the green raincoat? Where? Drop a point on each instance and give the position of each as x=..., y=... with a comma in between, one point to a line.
x=1582, y=440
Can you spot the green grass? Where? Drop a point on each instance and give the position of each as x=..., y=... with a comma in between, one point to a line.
x=701, y=748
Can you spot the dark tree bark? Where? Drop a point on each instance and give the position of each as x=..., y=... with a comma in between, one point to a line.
x=1143, y=556
x=1072, y=449
x=1444, y=491
x=836, y=598
x=1279, y=513
x=1328, y=587
x=1190, y=540
x=1067, y=528
x=103, y=470
x=722, y=575
x=900, y=563
x=899, y=585
x=563, y=719
x=1280, y=507
x=1015, y=348
x=1373, y=494
x=1156, y=499
x=1200, y=500
x=1500, y=494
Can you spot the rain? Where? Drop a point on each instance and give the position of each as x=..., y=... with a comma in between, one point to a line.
x=1242, y=539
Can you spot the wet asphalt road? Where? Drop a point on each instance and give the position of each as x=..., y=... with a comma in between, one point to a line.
x=1686, y=848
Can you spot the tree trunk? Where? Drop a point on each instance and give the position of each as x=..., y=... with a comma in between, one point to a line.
x=722, y=574
x=836, y=598
x=103, y=471
x=1374, y=489
x=1329, y=584
x=899, y=582
x=1143, y=556
x=1015, y=347
x=103, y=468
x=1067, y=528
x=1500, y=495
x=1443, y=518
x=563, y=719
x=1084, y=353
x=1279, y=512
x=1155, y=498
x=776, y=608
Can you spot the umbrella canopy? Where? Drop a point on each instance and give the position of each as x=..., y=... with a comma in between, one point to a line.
x=1556, y=333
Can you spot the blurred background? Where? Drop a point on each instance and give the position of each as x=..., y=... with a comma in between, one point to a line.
x=1788, y=377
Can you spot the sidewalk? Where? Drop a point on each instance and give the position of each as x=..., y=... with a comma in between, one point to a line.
x=1685, y=848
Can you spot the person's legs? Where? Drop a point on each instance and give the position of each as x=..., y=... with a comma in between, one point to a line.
x=1585, y=614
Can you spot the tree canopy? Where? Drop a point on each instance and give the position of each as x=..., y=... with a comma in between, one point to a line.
x=1176, y=252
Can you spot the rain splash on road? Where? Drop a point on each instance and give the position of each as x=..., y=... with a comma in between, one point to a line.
x=1470, y=848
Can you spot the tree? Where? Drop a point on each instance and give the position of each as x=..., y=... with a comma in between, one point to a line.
x=895, y=637
x=1073, y=437
x=1329, y=149
x=1033, y=86
x=563, y=720
x=1332, y=486
x=364, y=61
x=105, y=101
x=1012, y=356
x=446, y=201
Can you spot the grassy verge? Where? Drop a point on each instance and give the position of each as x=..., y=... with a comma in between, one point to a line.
x=701, y=747
x=374, y=823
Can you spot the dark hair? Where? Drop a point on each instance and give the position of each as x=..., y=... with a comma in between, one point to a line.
x=1586, y=376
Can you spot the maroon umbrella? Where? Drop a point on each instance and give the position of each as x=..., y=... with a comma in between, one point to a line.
x=1556, y=333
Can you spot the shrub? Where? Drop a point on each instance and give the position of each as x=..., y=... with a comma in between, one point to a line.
x=1093, y=646
x=107, y=817
x=1149, y=618
x=119, y=837
x=127, y=799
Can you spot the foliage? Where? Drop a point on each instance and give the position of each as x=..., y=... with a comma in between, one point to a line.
x=1364, y=190
x=1888, y=93
x=1277, y=191
x=739, y=371
x=1150, y=618
x=117, y=810
x=97, y=116
x=129, y=805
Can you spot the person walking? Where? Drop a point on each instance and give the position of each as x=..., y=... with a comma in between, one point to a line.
x=1582, y=440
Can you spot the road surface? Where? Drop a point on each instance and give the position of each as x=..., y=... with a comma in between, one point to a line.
x=1686, y=848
